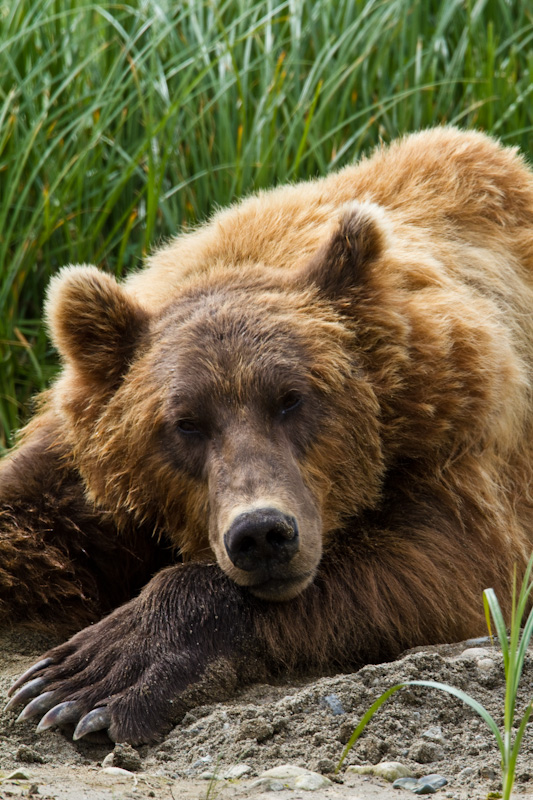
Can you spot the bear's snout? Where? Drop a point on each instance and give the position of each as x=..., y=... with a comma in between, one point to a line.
x=261, y=539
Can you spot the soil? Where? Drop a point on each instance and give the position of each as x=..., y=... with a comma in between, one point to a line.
x=305, y=724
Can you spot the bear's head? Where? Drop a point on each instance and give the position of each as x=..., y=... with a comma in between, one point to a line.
x=238, y=419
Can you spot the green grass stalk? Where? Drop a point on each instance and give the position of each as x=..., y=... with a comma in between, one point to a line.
x=514, y=647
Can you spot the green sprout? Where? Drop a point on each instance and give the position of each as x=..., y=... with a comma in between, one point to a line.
x=514, y=647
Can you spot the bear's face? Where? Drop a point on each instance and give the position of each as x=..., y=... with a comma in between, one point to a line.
x=241, y=411
x=238, y=419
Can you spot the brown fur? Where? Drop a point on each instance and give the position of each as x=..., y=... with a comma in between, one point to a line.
x=351, y=356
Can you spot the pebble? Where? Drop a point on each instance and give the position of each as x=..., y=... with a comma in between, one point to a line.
x=485, y=664
x=257, y=729
x=311, y=782
x=233, y=773
x=424, y=752
x=434, y=734
x=126, y=757
x=488, y=772
x=333, y=702
x=28, y=755
x=324, y=765
x=284, y=771
x=200, y=762
x=389, y=770
x=17, y=775
x=428, y=784
x=466, y=772
x=267, y=785
x=293, y=777
x=237, y=771
x=474, y=652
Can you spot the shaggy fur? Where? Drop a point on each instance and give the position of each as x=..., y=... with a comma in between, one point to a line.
x=317, y=405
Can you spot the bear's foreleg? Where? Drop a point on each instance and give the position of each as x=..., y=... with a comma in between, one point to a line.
x=186, y=640
x=193, y=636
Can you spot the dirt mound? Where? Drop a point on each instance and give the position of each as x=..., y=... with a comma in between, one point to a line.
x=306, y=725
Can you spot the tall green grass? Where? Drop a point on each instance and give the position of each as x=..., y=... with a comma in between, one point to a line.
x=121, y=123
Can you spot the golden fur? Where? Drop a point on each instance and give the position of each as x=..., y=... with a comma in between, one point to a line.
x=352, y=354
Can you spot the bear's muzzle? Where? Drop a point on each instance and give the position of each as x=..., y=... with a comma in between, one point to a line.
x=262, y=540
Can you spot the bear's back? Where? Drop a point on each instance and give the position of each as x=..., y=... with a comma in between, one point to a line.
x=445, y=192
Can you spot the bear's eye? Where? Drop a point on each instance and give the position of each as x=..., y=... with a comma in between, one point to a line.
x=188, y=426
x=290, y=401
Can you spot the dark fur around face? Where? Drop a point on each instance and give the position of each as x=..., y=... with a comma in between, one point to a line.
x=317, y=409
x=244, y=386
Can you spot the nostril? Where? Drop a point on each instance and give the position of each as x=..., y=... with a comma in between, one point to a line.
x=247, y=545
x=260, y=538
x=276, y=537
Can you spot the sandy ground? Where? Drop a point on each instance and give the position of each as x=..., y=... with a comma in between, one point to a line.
x=303, y=725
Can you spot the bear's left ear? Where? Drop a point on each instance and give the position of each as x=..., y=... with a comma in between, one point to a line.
x=94, y=323
x=343, y=262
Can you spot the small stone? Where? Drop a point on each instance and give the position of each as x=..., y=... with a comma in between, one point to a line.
x=391, y=770
x=371, y=748
x=202, y=761
x=28, y=755
x=405, y=783
x=108, y=760
x=293, y=777
x=257, y=729
x=311, y=782
x=424, y=752
x=466, y=772
x=434, y=734
x=237, y=771
x=429, y=784
x=333, y=702
x=359, y=769
x=345, y=731
x=324, y=766
x=489, y=773
x=284, y=772
x=268, y=785
x=210, y=776
x=126, y=757
x=474, y=652
x=17, y=775
x=425, y=788
x=485, y=664
x=434, y=780
x=249, y=751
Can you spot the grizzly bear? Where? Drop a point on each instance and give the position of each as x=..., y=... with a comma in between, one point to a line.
x=303, y=433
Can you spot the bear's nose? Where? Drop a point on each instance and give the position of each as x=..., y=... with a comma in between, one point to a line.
x=263, y=536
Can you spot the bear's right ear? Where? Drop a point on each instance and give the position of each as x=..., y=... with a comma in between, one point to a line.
x=343, y=263
x=93, y=322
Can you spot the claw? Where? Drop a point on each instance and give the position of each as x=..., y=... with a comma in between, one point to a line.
x=62, y=714
x=37, y=706
x=29, y=690
x=95, y=720
x=45, y=662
